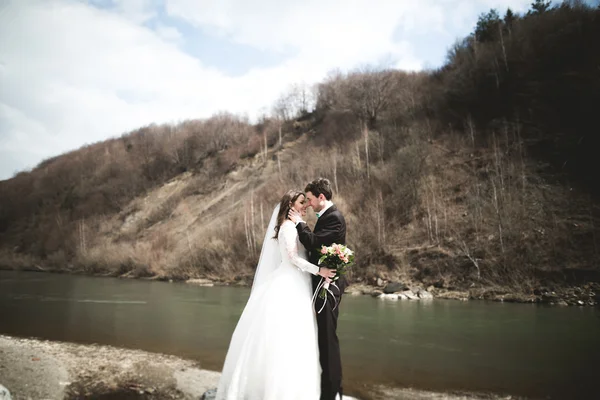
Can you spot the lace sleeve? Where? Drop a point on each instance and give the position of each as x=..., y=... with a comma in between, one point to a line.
x=289, y=236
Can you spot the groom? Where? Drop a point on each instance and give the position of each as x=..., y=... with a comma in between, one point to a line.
x=330, y=229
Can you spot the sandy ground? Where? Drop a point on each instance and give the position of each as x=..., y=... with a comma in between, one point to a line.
x=39, y=370
x=44, y=370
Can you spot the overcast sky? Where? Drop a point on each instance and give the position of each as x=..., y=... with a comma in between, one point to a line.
x=74, y=72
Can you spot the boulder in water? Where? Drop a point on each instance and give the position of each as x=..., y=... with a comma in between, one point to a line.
x=410, y=295
x=394, y=287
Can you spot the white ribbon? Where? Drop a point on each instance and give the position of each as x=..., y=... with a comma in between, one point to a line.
x=324, y=285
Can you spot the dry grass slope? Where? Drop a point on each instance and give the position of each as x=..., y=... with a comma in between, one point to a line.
x=441, y=182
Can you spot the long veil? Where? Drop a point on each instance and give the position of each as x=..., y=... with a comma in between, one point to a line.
x=270, y=256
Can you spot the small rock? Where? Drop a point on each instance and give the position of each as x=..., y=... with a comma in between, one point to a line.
x=549, y=298
x=376, y=293
x=394, y=287
x=410, y=295
x=209, y=395
x=513, y=298
x=423, y=294
x=380, y=282
x=201, y=282
x=415, y=290
x=388, y=296
x=4, y=393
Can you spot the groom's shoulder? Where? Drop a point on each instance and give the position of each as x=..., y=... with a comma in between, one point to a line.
x=335, y=212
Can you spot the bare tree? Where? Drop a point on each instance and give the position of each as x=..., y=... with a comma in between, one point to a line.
x=297, y=100
x=282, y=109
x=368, y=92
x=302, y=98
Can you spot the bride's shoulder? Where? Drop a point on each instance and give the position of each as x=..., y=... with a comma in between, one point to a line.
x=285, y=228
x=288, y=225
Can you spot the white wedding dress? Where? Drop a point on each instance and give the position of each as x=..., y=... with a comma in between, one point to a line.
x=274, y=353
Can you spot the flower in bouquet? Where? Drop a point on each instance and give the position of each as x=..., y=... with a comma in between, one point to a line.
x=338, y=257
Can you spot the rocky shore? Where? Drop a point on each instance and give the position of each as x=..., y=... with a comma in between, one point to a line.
x=584, y=295
x=32, y=369
x=587, y=294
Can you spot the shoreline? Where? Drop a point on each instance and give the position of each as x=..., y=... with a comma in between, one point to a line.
x=585, y=295
x=42, y=369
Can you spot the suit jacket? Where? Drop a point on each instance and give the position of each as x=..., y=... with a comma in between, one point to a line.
x=330, y=229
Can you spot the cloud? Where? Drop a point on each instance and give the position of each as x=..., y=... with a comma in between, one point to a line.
x=168, y=32
x=75, y=72
x=74, y=75
x=138, y=11
x=351, y=30
x=325, y=32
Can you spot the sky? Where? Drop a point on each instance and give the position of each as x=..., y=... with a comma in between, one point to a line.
x=75, y=72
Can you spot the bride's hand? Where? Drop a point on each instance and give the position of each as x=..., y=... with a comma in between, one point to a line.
x=326, y=272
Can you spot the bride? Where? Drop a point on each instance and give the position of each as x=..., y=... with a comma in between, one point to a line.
x=274, y=354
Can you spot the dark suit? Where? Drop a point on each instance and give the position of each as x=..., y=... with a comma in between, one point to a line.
x=330, y=229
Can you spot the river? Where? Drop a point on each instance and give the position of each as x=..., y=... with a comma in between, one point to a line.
x=526, y=350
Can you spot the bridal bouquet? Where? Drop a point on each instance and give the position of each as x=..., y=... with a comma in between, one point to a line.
x=338, y=257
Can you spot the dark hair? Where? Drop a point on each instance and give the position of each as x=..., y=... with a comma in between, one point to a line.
x=284, y=207
x=320, y=186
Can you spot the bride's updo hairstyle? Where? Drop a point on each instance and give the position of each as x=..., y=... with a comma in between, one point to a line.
x=285, y=205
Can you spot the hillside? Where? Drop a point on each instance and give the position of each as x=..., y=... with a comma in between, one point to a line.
x=479, y=176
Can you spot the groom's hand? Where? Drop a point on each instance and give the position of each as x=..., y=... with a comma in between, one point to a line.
x=295, y=216
x=326, y=272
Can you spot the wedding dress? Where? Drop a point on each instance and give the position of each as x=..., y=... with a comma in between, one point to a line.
x=273, y=353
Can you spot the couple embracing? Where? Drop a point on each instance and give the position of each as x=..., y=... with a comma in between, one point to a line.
x=282, y=348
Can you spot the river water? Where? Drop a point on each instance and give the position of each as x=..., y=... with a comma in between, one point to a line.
x=443, y=345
